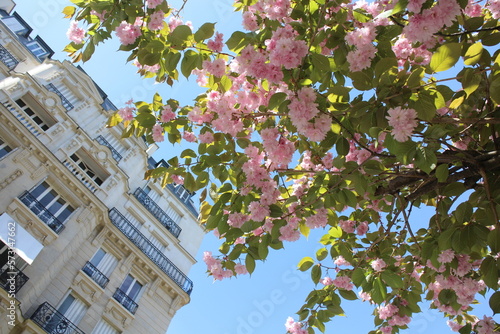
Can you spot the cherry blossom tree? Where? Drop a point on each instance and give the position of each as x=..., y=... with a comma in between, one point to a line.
x=344, y=117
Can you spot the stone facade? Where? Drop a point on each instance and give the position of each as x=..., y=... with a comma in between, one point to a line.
x=93, y=248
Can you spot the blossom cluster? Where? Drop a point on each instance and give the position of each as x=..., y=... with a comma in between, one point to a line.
x=215, y=267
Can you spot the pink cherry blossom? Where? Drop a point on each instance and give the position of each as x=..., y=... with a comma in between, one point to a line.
x=294, y=327
x=216, y=44
x=126, y=113
x=362, y=228
x=74, y=33
x=177, y=179
x=156, y=20
x=157, y=133
x=386, y=329
x=387, y=311
x=189, y=136
x=206, y=138
x=240, y=269
x=167, y=114
x=326, y=281
x=343, y=282
x=378, y=264
x=446, y=256
x=403, y=122
x=154, y=3
x=127, y=33
x=494, y=8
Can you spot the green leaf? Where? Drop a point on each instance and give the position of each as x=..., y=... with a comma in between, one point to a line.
x=190, y=61
x=316, y=274
x=320, y=62
x=470, y=81
x=495, y=90
x=305, y=263
x=361, y=81
x=358, y=277
x=275, y=210
x=204, y=32
x=171, y=61
x=347, y=294
x=179, y=37
x=237, y=41
x=442, y=172
x=276, y=99
x=489, y=272
x=189, y=182
x=494, y=240
x=379, y=291
x=250, y=263
x=88, y=52
x=188, y=153
x=393, y=280
x=473, y=54
x=68, y=12
x=321, y=254
x=447, y=296
x=445, y=57
x=495, y=302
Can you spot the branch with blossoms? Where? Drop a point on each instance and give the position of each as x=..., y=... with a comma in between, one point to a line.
x=341, y=117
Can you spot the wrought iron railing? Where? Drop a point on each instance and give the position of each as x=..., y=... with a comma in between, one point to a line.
x=12, y=279
x=95, y=274
x=7, y=58
x=42, y=212
x=65, y=102
x=156, y=211
x=150, y=250
x=125, y=300
x=117, y=156
x=54, y=322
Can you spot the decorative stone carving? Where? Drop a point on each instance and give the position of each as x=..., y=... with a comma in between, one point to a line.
x=8, y=180
x=87, y=288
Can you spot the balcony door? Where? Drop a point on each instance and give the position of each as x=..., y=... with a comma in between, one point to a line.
x=70, y=309
x=131, y=287
x=104, y=262
x=52, y=201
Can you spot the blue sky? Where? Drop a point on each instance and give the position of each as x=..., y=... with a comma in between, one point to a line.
x=276, y=290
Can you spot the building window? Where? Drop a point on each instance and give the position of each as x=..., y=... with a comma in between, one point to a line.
x=52, y=201
x=100, y=267
x=129, y=293
x=103, y=327
x=37, y=50
x=86, y=168
x=48, y=205
x=4, y=148
x=131, y=287
x=40, y=118
x=70, y=309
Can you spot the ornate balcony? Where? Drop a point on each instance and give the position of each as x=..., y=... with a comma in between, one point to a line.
x=138, y=239
x=65, y=102
x=117, y=156
x=12, y=279
x=81, y=175
x=29, y=123
x=156, y=211
x=125, y=301
x=95, y=274
x=41, y=211
x=7, y=58
x=53, y=322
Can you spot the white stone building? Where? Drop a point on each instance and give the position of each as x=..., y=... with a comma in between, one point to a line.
x=86, y=245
